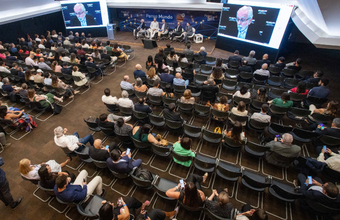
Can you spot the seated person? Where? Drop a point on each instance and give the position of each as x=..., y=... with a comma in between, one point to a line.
x=260, y=95
x=283, y=102
x=140, y=87
x=187, y=98
x=121, y=163
x=240, y=110
x=125, y=101
x=192, y=195
x=209, y=87
x=83, y=79
x=149, y=63
x=155, y=90
x=315, y=79
x=300, y=89
x=172, y=114
x=179, y=81
x=47, y=79
x=151, y=74
x=243, y=92
x=296, y=65
x=283, y=147
x=166, y=76
x=18, y=118
x=107, y=98
x=263, y=115
x=44, y=100
x=138, y=72
x=168, y=48
x=72, y=142
x=66, y=70
x=280, y=63
x=244, y=67
x=172, y=56
x=248, y=213
x=157, y=214
x=236, y=133
x=321, y=91
x=143, y=133
x=330, y=110
x=122, y=128
x=168, y=92
x=117, y=52
x=329, y=158
x=218, y=203
x=38, y=78
x=125, y=84
x=47, y=177
x=79, y=190
x=182, y=58
x=99, y=152
x=141, y=106
x=66, y=90
x=217, y=74
x=222, y=105
x=23, y=91
x=324, y=193
x=183, y=147
x=333, y=131
x=263, y=71
x=104, y=122
x=7, y=86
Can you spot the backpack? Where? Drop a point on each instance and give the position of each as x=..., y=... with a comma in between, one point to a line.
x=144, y=174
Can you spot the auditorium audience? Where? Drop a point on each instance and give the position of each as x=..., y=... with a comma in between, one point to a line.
x=315, y=79
x=240, y=110
x=38, y=78
x=166, y=76
x=67, y=90
x=139, y=86
x=104, y=122
x=182, y=58
x=151, y=74
x=48, y=177
x=30, y=61
x=172, y=56
x=89, y=63
x=262, y=116
x=160, y=56
x=222, y=105
x=243, y=92
x=280, y=63
x=117, y=52
x=188, y=51
x=120, y=162
x=209, y=87
x=260, y=95
x=56, y=67
x=235, y=57
x=122, y=128
x=29, y=76
x=83, y=79
x=183, y=148
x=259, y=63
x=236, y=133
x=263, y=71
x=143, y=133
x=45, y=101
x=296, y=65
x=149, y=63
x=99, y=152
x=125, y=101
x=179, y=81
x=107, y=98
x=43, y=65
x=251, y=61
x=217, y=73
x=321, y=91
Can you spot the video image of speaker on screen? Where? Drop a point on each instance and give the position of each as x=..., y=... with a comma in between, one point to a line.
x=82, y=14
x=248, y=22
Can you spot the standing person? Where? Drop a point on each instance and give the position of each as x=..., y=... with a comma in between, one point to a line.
x=5, y=192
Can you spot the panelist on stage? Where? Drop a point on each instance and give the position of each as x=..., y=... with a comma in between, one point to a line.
x=140, y=28
x=177, y=31
x=188, y=32
x=164, y=30
x=82, y=18
x=154, y=27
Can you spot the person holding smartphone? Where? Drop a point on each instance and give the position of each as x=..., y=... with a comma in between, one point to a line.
x=121, y=162
x=99, y=152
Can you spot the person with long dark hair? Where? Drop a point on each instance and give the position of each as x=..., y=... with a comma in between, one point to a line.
x=243, y=92
x=149, y=63
x=217, y=73
x=236, y=133
x=143, y=133
x=283, y=102
x=300, y=89
x=48, y=177
x=260, y=95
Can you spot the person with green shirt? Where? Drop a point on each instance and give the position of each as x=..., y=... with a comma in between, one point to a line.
x=182, y=148
x=283, y=102
x=143, y=134
x=108, y=46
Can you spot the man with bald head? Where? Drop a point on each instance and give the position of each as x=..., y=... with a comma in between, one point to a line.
x=282, y=147
x=43, y=65
x=244, y=18
x=125, y=84
x=99, y=152
x=263, y=71
x=139, y=72
x=82, y=18
x=179, y=81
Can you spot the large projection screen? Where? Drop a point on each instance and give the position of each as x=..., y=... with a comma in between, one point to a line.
x=257, y=23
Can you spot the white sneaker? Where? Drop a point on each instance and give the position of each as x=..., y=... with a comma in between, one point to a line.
x=128, y=56
x=126, y=119
x=176, y=210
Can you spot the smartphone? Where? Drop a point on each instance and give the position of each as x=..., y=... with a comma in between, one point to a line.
x=321, y=126
x=278, y=137
x=325, y=148
x=181, y=182
x=128, y=151
x=119, y=202
x=107, y=147
x=310, y=181
x=145, y=215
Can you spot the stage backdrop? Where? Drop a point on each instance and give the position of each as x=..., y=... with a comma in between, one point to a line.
x=205, y=22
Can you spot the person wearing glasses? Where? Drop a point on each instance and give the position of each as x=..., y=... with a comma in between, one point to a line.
x=244, y=17
x=82, y=19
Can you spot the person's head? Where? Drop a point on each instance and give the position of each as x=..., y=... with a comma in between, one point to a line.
x=318, y=74
x=261, y=94
x=236, y=52
x=236, y=131
x=287, y=138
x=106, y=212
x=120, y=122
x=107, y=92
x=5, y=80
x=243, y=89
x=223, y=198
x=259, y=214
x=336, y=123
x=264, y=66
x=285, y=96
x=330, y=189
x=161, y=51
x=178, y=76
x=24, y=86
x=301, y=87
x=281, y=59
x=30, y=93
x=188, y=24
x=97, y=143
x=187, y=94
x=154, y=19
x=163, y=21
x=54, y=80
x=172, y=53
x=46, y=75
x=168, y=88
x=59, y=131
x=126, y=78
x=252, y=53
x=125, y=94
x=264, y=108
x=265, y=56
x=219, y=62
x=167, y=70
x=44, y=171
x=332, y=107
x=178, y=23
x=3, y=111
x=218, y=72
x=298, y=61
x=202, y=49
x=32, y=54
x=244, y=18
x=150, y=59
x=191, y=195
x=168, y=45
x=142, y=20
x=115, y=155
x=61, y=181
x=25, y=166
x=172, y=107
x=323, y=82
x=103, y=117
x=152, y=72
x=75, y=68
x=80, y=11
x=241, y=106
x=138, y=66
x=210, y=81
x=186, y=143
x=224, y=100
x=156, y=83
x=70, y=33
x=139, y=82
x=188, y=46
x=115, y=46
x=144, y=129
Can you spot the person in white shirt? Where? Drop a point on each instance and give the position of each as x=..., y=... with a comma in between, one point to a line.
x=154, y=27
x=65, y=58
x=263, y=71
x=155, y=90
x=107, y=98
x=29, y=60
x=262, y=116
x=243, y=92
x=1, y=47
x=333, y=161
x=72, y=142
x=47, y=80
x=41, y=45
x=66, y=41
x=125, y=83
x=125, y=101
x=3, y=67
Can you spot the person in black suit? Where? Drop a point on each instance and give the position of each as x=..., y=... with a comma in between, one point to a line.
x=236, y=57
x=281, y=63
x=105, y=123
x=316, y=77
x=141, y=28
x=122, y=163
x=188, y=32
x=98, y=152
x=171, y=114
x=326, y=194
x=209, y=90
x=90, y=63
x=245, y=67
x=82, y=18
x=141, y=106
x=259, y=63
x=66, y=70
x=177, y=31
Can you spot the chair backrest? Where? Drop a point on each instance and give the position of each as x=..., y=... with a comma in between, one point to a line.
x=155, y=100
x=92, y=207
x=139, y=115
x=156, y=120
x=254, y=181
x=178, y=89
x=93, y=125
x=212, y=216
x=180, y=157
x=277, y=110
x=112, y=107
x=162, y=185
x=275, y=128
x=288, y=72
x=283, y=191
x=168, y=101
x=285, y=161
x=305, y=134
x=296, y=97
x=140, y=144
x=219, y=114
x=173, y=124
x=185, y=106
x=84, y=155
x=274, y=70
x=204, y=163
x=228, y=171
x=35, y=182
x=125, y=111
x=141, y=95
x=232, y=72
x=231, y=144
x=241, y=119
x=150, y=81
x=256, y=149
x=321, y=208
x=191, y=130
x=211, y=136
x=321, y=118
x=316, y=101
x=201, y=109
x=66, y=150
x=99, y=164
x=189, y=208
x=300, y=112
x=107, y=131
x=119, y=175
x=329, y=140
x=237, y=99
x=141, y=182
x=258, y=124
x=160, y=150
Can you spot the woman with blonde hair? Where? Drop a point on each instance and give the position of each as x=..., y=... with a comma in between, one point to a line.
x=74, y=59
x=187, y=98
x=151, y=74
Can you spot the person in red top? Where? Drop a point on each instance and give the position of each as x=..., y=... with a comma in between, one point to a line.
x=80, y=51
x=300, y=89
